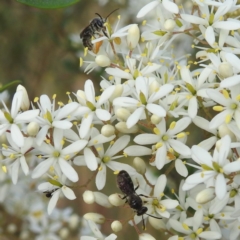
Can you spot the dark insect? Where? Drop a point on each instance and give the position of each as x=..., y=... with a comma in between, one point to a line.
x=94, y=28
x=125, y=184
x=49, y=193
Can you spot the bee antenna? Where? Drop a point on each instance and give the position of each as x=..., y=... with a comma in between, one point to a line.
x=99, y=15
x=111, y=13
x=153, y=216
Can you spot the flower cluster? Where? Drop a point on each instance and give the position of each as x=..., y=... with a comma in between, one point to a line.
x=157, y=94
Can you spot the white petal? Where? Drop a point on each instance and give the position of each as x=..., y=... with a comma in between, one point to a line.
x=160, y=185
x=62, y=124
x=101, y=177
x=66, y=110
x=85, y=125
x=232, y=167
x=57, y=139
x=201, y=156
x=53, y=201
x=74, y=147
x=180, y=147
x=16, y=103
x=68, y=193
x=119, y=145
x=181, y=168
x=221, y=187
x=90, y=159
x=27, y=116
x=45, y=103
x=169, y=203
x=107, y=93
x=180, y=125
x=161, y=157
x=193, y=107
x=146, y=138
x=147, y=8
x=24, y=165
x=209, y=35
x=218, y=120
x=199, y=177
x=125, y=102
x=89, y=91
x=68, y=170
x=230, y=81
x=170, y=6
x=14, y=171
x=193, y=19
x=228, y=25
x=118, y=73
x=134, y=117
x=137, y=151
x=42, y=168
x=210, y=235
x=17, y=136
x=103, y=114
x=156, y=109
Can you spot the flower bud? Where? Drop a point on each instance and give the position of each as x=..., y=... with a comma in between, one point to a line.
x=64, y=233
x=122, y=127
x=25, y=104
x=95, y=217
x=102, y=199
x=108, y=130
x=205, y=195
x=146, y=236
x=116, y=200
x=225, y=70
x=88, y=197
x=117, y=92
x=169, y=25
x=155, y=119
x=102, y=61
x=33, y=129
x=133, y=36
x=154, y=86
x=157, y=223
x=116, y=226
x=223, y=130
x=73, y=221
x=122, y=114
x=139, y=165
x=12, y=228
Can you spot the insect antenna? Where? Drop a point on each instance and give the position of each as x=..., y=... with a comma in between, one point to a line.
x=99, y=16
x=111, y=13
x=153, y=216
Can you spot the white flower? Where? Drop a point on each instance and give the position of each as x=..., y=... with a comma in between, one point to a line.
x=15, y=157
x=54, y=189
x=58, y=157
x=144, y=100
x=214, y=169
x=13, y=120
x=166, y=140
x=53, y=118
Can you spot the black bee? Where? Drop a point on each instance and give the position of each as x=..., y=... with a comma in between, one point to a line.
x=125, y=184
x=94, y=28
x=49, y=193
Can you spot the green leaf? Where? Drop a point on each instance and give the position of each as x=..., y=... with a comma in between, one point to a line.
x=48, y=3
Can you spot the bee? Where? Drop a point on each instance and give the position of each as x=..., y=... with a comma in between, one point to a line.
x=49, y=193
x=125, y=184
x=94, y=28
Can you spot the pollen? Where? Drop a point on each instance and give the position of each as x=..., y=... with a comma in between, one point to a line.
x=95, y=141
x=172, y=125
x=125, y=155
x=199, y=231
x=4, y=168
x=158, y=145
x=144, y=22
x=80, y=62
x=36, y=99
x=156, y=131
x=202, y=175
x=4, y=146
x=85, y=51
x=60, y=104
x=228, y=118
x=185, y=226
x=181, y=135
x=116, y=172
x=100, y=168
x=99, y=149
x=225, y=93
x=47, y=141
x=218, y=108
x=54, y=96
x=110, y=78
x=127, y=70
x=67, y=157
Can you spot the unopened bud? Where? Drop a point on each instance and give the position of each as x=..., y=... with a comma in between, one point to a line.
x=88, y=197
x=102, y=61
x=157, y=223
x=122, y=127
x=155, y=119
x=169, y=24
x=12, y=228
x=108, y=130
x=25, y=104
x=205, y=195
x=64, y=233
x=116, y=200
x=133, y=36
x=102, y=199
x=122, y=114
x=146, y=236
x=73, y=221
x=95, y=217
x=116, y=226
x=139, y=165
x=225, y=70
x=33, y=129
x=154, y=86
x=223, y=130
x=117, y=92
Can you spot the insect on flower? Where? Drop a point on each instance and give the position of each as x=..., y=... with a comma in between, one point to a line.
x=49, y=193
x=95, y=27
x=125, y=184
